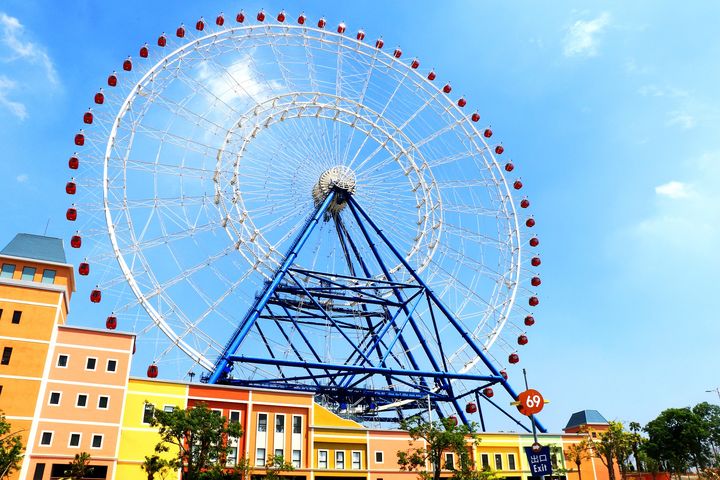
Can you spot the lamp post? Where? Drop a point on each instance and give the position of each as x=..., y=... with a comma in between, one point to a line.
x=716, y=390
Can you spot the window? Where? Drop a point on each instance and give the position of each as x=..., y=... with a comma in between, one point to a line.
x=356, y=460
x=379, y=457
x=262, y=422
x=54, y=398
x=28, y=273
x=46, y=439
x=1, y=387
x=81, y=400
x=296, y=455
x=48, y=276
x=16, y=317
x=279, y=453
x=74, y=440
x=231, y=458
x=594, y=434
x=322, y=459
x=148, y=413
x=260, y=457
x=498, y=461
x=485, y=460
x=103, y=401
x=91, y=363
x=97, y=440
x=111, y=366
x=340, y=460
x=449, y=461
x=511, y=461
x=297, y=424
x=279, y=423
x=62, y=361
x=169, y=408
x=234, y=416
x=1, y=310
x=8, y=270
x=7, y=353
x=554, y=461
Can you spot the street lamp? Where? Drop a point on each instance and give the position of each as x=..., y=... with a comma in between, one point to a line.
x=716, y=390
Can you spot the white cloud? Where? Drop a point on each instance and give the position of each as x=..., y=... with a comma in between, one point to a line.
x=581, y=38
x=18, y=47
x=653, y=90
x=22, y=178
x=681, y=119
x=16, y=108
x=674, y=190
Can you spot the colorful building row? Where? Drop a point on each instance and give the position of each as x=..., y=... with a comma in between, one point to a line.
x=68, y=389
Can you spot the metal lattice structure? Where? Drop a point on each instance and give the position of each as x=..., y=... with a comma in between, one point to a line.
x=295, y=207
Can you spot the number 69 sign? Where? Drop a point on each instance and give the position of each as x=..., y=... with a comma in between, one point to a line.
x=530, y=402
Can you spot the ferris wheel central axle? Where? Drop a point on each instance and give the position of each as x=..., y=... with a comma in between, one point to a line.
x=338, y=178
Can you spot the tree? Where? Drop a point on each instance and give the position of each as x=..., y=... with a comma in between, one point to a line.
x=275, y=466
x=710, y=416
x=441, y=437
x=198, y=437
x=577, y=453
x=155, y=464
x=10, y=448
x=610, y=446
x=677, y=439
x=79, y=468
x=636, y=441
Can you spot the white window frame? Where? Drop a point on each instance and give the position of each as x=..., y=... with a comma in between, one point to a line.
x=67, y=361
x=341, y=454
x=451, y=456
x=108, y=402
x=70, y=445
x=485, y=460
x=257, y=457
x=92, y=440
x=142, y=416
x=277, y=416
x=42, y=434
x=267, y=417
x=298, y=463
x=50, y=398
x=87, y=359
x=168, y=408
x=326, y=459
x=292, y=426
x=496, y=457
x=87, y=400
x=352, y=457
x=230, y=412
x=514, y=461
x=382, y=456
x=107, y=364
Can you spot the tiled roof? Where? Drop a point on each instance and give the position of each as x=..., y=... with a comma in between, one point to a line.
x=585, y=417
x=35, y=247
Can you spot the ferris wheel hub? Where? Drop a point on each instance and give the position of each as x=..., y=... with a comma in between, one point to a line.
x=338, y=177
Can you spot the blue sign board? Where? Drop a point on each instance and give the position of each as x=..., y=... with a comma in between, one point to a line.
x=540, y=463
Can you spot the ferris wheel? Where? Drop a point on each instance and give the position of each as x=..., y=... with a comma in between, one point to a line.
x=293, y=205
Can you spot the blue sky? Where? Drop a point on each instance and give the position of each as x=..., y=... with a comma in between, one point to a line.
x=610, y=110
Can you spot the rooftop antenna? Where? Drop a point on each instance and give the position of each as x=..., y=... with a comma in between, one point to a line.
x=46, y=227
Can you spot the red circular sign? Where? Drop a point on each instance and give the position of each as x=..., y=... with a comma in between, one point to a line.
x=531, y=402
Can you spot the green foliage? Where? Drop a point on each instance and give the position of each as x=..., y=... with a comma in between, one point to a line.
x=11, y=448
x=577, y=453
x=613, y=445
x=441, y=437
x=275, y=466
x=197, y=438
x=155, y=464
x=79, y=468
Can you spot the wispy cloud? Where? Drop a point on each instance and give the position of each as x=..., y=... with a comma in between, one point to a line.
x=674, y=190
x=17, y=46
x=22, y=178
x=16, y=108
x=652, y=90
x=581, y=38
x=681, y=119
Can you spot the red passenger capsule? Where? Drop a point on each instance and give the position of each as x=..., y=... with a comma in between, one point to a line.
x=522, y=340
x=180, y=32
x=144, y=52
x=379, y=43
x=488, y=392
x=70, y=188
x=100, y=97
x=535, y=281
x=80, y=139
x=360, y=35
x=322, y=22
x=397, y=53
x=475, y=117
x=95, y=296
x=127, y=65
x=535, y=262
x=240, y=17
x=509, y=167
x=534, y=242
x=220, y=20
x=200, y=25
x=529, y=321
x=499, y=149
x=341, y=28
x=301, y=19
x=281, y=16
x=152, y=371
x=514, y=358
x=447, y=88
x=261, y=16
x=162, y=40
x=504, y=374
x=487, y=133
x=471, y=407
x=73, y=162
x=88, y=117
x=415, y=63
x=112, y=79
x=111, y=322
x=530, y=222
x=453, y=420
x=84, y=268
x=462, y=102
x=431, y=75
x=517, y=185
x=533, y=301
x=524, y=203
x=75, y=241
x=71, y=214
